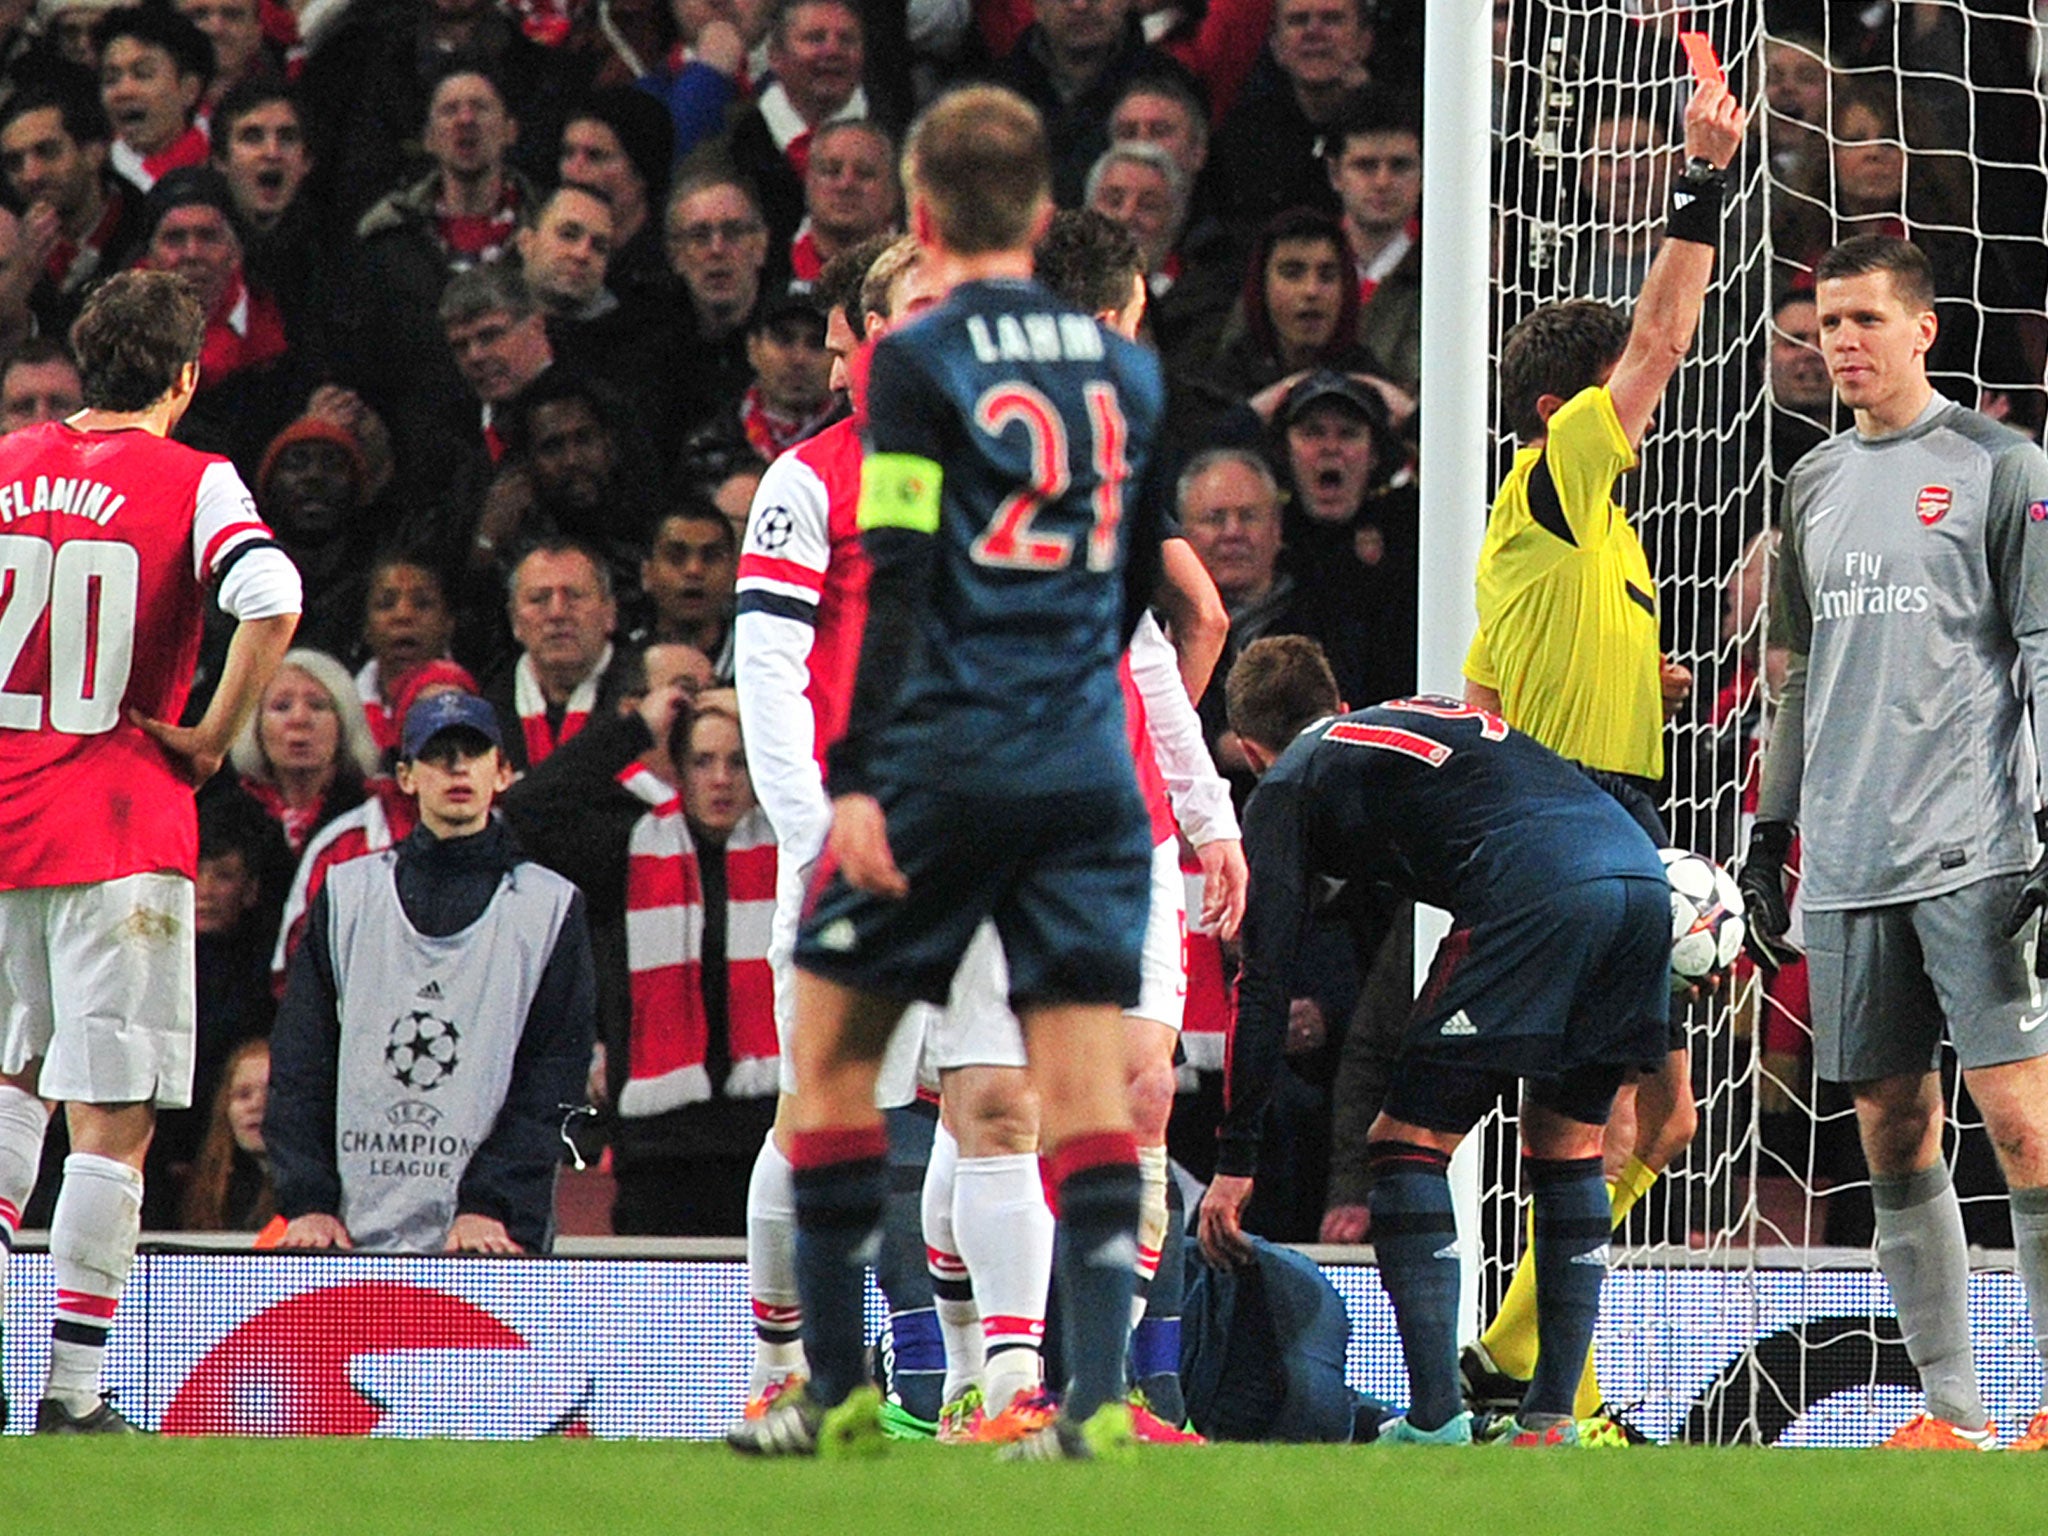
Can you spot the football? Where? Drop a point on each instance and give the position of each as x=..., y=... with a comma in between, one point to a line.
x=1706, y=917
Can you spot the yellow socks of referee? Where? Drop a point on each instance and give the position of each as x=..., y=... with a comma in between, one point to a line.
x=1510, y=1339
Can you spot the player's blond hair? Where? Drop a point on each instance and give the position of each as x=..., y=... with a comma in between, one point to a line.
x=978, y=158
x=877, y=288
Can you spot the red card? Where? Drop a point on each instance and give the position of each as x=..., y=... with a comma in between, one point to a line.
x=1699, y=53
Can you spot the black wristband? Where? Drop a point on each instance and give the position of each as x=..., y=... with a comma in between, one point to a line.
x=1771, y=840
x=1696, y=208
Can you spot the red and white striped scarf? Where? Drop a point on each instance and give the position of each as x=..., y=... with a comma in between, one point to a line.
x=532, y=705
x=370, y=690
x=664, y=943
x=1212, y=989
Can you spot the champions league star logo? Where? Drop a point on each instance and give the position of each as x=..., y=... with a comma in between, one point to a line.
x=421, y=1050
x=774, y=528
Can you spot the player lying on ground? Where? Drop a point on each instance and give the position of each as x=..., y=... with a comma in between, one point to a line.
x=1556, y=972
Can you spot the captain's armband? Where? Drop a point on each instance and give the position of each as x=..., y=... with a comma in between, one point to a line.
x=899, y=490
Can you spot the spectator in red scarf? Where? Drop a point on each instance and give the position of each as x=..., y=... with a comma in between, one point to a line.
x=407, y=621
x=563, y=613
x=851, y=194
x=252, y=375
x=460, y=215
x=306, y=752
x=154, y=69
x=77, y=219
x=817, y=51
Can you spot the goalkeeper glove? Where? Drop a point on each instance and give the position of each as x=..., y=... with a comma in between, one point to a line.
x=1767, y=917
x=2033, y=897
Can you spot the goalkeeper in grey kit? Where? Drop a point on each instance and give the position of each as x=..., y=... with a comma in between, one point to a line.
x=437, y=1022
x=1912, y=594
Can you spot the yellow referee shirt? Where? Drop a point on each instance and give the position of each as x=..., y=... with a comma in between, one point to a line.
x=1567, y=612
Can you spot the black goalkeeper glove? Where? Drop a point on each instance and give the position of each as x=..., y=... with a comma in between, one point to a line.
x=2033, y=897
x=1766, y=916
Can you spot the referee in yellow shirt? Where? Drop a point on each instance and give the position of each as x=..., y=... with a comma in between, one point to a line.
x=1567, y=645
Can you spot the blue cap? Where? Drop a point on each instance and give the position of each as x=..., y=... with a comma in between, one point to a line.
x=451, y=711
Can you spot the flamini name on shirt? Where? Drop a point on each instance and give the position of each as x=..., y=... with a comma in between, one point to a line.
x=91, y=499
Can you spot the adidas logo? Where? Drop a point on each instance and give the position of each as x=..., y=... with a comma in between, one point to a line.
x=431, y=992
x=838, y=936
x=1459, y=1023
x=1449, y=1250
x=1599, y=1256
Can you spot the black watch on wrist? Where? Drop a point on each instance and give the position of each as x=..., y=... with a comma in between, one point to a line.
x=1699, y=170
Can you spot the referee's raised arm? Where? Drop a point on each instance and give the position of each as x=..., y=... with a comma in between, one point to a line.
x=1668, y=308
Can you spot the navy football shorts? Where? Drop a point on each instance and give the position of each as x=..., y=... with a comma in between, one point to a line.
x=1579, y=980
x=1067, y=879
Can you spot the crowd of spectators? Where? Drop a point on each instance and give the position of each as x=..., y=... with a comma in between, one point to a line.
x=511, y=301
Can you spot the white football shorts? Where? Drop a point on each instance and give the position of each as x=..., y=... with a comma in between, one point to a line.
x=978, y=1029
x=97, y=980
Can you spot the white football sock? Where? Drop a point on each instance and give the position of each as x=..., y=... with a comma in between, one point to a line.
x=771, y=1270
x=952, y=1288
x=22, y=1123
x=1151, y=1223
x=1005, y=1232
x=92, y=1248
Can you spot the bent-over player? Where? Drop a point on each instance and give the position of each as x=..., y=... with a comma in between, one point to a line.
x=1556, y=972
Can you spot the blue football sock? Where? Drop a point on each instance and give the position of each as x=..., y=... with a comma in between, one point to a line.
x=1415, y=1234
x=840, y=1180
x=1155, y=1344
x=914, y=1353
x=1093, y=1258
x=1573, y=1225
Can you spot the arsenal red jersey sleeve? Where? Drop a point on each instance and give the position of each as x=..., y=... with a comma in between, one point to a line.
x=107, y=540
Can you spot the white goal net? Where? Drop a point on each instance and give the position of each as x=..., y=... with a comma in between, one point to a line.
x=1744, y=1305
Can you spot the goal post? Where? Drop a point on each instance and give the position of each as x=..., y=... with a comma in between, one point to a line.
x=1565, y=197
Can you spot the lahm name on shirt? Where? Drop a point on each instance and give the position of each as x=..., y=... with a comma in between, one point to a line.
x=1868, y=593
x=91, y=499
x=1035, y=338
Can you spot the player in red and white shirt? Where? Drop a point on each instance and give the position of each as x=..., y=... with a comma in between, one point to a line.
x=110, y=538
x=802, y=603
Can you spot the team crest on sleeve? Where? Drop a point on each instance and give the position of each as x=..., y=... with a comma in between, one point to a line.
x=1933, y=504
x=2037, y=511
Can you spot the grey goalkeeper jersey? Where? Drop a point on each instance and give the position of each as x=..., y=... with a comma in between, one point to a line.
x=1912, y=592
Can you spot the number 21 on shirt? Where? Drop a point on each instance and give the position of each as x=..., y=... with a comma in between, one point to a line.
x=1011, y=540
x=88, y=588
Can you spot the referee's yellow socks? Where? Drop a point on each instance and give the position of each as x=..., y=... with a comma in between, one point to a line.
x=1511, y=1337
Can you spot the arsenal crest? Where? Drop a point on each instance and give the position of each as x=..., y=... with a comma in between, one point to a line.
x=1933, y=504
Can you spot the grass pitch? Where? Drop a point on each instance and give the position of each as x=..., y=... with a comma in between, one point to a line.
x=589, y=1488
